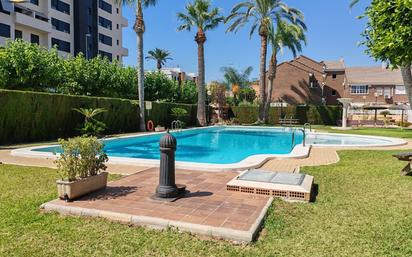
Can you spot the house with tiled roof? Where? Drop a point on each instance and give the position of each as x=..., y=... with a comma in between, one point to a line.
x=307, y=81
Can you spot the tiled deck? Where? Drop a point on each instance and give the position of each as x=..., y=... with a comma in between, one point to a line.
x=209, y=209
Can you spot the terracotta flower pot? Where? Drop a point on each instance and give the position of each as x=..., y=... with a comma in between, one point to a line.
x=75, y=189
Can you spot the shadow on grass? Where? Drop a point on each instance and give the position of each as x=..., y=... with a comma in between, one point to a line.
x=314, y=194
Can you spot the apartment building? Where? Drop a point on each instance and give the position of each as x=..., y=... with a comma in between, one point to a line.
x=307, y=81
x=177, y=74
x=90, y=27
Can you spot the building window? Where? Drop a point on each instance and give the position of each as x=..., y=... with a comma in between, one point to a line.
x=35, y=39
x=359, y=89
x=333, y=93
x=105, y=39
x=61, y=45
x=4, y=30
x=2, y=10
x=18, y=34
x=334, y=75
x=105, y=23
x=117, y=26
x=60, y=25
x=106, y=54
x=60, y=6
x=400, y=90
x=117, y=10
x=117, y=42
x=105, y=6
x=379, y=91
x=35, y=2
x=118, y=58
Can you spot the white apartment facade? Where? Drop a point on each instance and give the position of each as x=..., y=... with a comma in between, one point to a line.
x=177, y=74
x=90, y=27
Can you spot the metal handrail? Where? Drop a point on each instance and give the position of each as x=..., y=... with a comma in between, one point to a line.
x=307, y=124
x=293, y=138
x=304, y=137
x=177, y=126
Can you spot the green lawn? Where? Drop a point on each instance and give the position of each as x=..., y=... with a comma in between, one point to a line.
x=364, y=208
x=384, y=132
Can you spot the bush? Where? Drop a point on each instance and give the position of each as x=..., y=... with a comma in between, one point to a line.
x=314, y=114
x=81, y=157
x=32, y=116
x=29, y=67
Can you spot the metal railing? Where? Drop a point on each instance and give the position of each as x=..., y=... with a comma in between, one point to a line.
x=176, y=126
x=306, y=125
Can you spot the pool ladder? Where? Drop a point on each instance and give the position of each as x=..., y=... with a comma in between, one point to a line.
x=307, y=124
x=176, y=126
x=304, y=137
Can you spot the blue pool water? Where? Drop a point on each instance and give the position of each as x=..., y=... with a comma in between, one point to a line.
x=218, y=145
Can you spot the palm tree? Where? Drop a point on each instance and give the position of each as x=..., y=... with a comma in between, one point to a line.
x=286, y=35
x=262, y=14
x=139, y=27
x=202, y=16
x=160, y=56
x=235, y=79
x=89, y=114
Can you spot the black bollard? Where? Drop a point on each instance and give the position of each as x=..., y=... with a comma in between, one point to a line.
x=167, y=188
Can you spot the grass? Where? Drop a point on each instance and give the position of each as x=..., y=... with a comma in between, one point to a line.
x=384, y=132
x=364, y=208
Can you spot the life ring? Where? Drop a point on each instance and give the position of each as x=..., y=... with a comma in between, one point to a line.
x=150, y=125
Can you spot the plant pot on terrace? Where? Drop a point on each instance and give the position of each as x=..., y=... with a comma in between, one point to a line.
x=80, y=167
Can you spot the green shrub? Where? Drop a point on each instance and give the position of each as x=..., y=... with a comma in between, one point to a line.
x=91, y=126
x=33, y=116
x=179, y=112
x=314, y=114
x=81, y=157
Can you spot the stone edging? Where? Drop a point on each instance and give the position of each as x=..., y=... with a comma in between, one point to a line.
x=238, y=236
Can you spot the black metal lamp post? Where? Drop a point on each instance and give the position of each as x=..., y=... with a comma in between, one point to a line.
x=167, y=188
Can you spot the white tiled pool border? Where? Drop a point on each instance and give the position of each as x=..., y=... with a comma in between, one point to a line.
x=253, y=161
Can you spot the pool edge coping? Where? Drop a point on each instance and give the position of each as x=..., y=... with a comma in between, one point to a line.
x=253, y=161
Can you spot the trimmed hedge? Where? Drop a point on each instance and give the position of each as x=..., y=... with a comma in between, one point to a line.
x=32, y=116
x=314, y=114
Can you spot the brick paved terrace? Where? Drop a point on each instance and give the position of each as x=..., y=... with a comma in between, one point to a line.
x=208, y=209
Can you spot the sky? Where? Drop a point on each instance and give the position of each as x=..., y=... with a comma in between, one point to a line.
x=334, y=32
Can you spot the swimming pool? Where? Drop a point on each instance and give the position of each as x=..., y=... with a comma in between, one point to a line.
x=221, y=147
x=216, y=145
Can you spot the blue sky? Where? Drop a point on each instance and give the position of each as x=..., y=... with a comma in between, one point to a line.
x=333, y=33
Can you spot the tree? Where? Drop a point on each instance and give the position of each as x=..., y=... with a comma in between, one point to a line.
x=236, y=80
x=27, y=66
x=140, y=27
x=388, y=36
x=202, y=16
x=160, y=56
x=262, y=14
x=286, y=35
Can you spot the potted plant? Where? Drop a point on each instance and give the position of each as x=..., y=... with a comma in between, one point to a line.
x=80, y=167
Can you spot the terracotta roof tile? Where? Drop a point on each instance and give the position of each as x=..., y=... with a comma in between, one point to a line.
x=373, y=76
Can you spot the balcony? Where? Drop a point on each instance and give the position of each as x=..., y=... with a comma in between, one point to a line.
x=124, y=51
x=33, y=19
x=124, y=22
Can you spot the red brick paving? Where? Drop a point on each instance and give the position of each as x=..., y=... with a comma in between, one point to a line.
x=208, y=202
